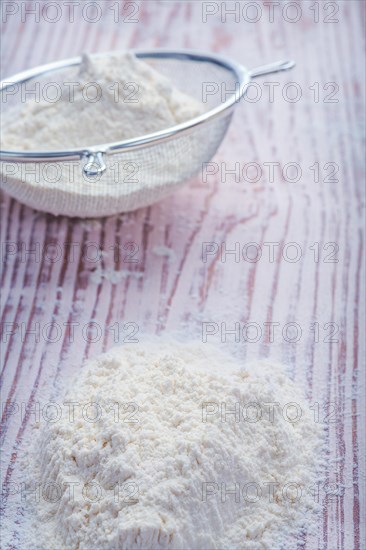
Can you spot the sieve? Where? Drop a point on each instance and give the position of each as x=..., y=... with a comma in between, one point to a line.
x=109, y=178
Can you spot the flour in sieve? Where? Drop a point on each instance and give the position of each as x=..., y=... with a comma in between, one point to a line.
x=113, y=97
x=190, y=471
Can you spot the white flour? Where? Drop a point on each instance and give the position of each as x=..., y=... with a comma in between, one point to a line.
x=174, y=457
x=111, y=98
x=114, y=98
x=164, y=252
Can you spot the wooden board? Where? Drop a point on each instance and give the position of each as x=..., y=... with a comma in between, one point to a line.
x=309, y=283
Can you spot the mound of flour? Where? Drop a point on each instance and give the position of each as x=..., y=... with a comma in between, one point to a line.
x=181, y=449
x=112, y=98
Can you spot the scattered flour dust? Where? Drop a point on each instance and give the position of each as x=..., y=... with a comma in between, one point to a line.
x=166, y=469
x=164, y=252
x=114, y=276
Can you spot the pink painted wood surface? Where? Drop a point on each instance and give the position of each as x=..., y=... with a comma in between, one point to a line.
x=179, y=295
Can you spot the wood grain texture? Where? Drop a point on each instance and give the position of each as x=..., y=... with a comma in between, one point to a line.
x=59, y=299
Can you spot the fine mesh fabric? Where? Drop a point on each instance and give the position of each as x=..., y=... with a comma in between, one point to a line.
x=133, y=179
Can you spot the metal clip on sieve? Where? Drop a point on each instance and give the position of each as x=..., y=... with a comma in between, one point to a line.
x=95, y=165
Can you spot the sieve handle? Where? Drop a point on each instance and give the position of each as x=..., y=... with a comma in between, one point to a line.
x=95, y=165
x=272, y=68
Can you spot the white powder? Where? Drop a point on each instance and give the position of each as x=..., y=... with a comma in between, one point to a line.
x=164, y=252
x=114, y=276
x=114, y=98
x=173, y=468
x=111, y=98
